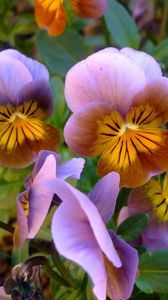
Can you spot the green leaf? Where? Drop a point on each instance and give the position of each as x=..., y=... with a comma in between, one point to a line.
x=132, y=227
x=89, y=175
x=5, y=6
x=164, y=297
x=58, y=116
x=3, y=255
x=161, y=52
x=61, y=53
x=153, y=268
x=121, y=26
x=21, y=254
x=80, y=292
x=24, y=25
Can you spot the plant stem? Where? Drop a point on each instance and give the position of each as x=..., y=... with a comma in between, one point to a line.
x=106, y=32
x=7, y=227
x=61, y=268
x=164, y=22
x=55, y=276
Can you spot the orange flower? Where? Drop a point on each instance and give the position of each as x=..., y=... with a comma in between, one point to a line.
x=50, y=14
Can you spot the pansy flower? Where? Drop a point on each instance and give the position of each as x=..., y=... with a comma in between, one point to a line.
x=79, y=233
x=33, y=204
x=51, y=14
x=119, y=101
x=25, y=102
x=152, y=198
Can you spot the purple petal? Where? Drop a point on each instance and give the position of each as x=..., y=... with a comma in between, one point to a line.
x=40, y=92
x=146, y=62
x=123, y=215
x=155, y=237
x=21, y=231
x=40, y=196
x=73, y=197
x=80, y=129
x=104, y=195
x=36, y=69
x=75, y=240
x=13, y=76
x=121, y=281
x=71, y=168
x=105, y=77
x=137, y=201
x=43, y=154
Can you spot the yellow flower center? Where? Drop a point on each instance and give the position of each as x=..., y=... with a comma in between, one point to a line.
x=159, y=200
x=19, y=124
x=122, y=140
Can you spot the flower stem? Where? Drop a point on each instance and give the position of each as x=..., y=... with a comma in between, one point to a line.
x=7, y=227
x=55, y=276
x=61, y=268
x=164, y=22
x=106, y=32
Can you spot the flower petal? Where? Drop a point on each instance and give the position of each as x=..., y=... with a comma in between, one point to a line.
x=104, y=195
x=40, y=196
x=21, y=230
x=89, y=8
x=72, y=197
x=155, y=236
x=34, y=203
x=38, y=91
x=71, y=168
x=121, y=281
x=57, y=26
x=148, y=155
x=80, y=129
x=138, y=202
x=37, y=70
x=123, y=215
x=21, y=145
x=106, y=77
x=51, y=15
x=43, y=154
x=75, y=240
x=13, y=76
x=146, y=62
x=155, y=94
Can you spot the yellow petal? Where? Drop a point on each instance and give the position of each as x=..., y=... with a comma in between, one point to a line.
x=23, y=134
x=136, y=155
x=158, y=199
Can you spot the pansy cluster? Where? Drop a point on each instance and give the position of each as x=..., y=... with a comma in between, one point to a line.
x=119, y=104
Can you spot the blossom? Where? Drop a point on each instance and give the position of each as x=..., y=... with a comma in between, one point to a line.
x=152, y=198
x=52, y=15
x=79, y=233
x=119, y=101
x=33, y=204
x=25, y=102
